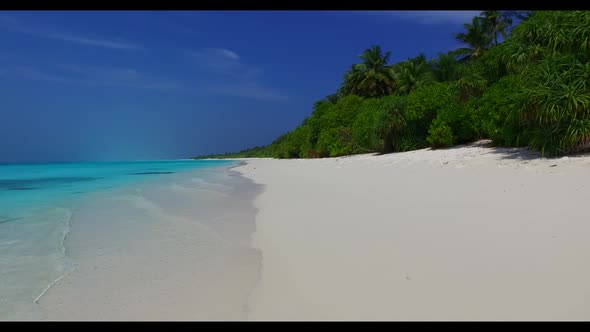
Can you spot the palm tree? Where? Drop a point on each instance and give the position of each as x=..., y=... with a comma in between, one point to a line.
x=521, y=15
x=371, y=78
x=391, y=123
x=471, y=83
x=351, y=83
x=498, y=22
x=445, y=67
x=477, y=38
x=413, y=74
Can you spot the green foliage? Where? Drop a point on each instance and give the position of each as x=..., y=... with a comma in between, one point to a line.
x=332, y=144
x=343, y=113
x=498, y=22
x=436, y=113
x=532, y=88
x=413, y=74
x=423, y=106
x=364, y=129
x=518, y=56
x=371, y=78
x=445, y=67
x=324, y=133
x=379, y=124
x=391, y=124
x=460, y=118
x=440, y=135
x=477, y=38
x=555, y=104
x=558, y=31
x=314, y=121
x=409, y=143
x=472, y=82
x=495, y=105
x=493, y=65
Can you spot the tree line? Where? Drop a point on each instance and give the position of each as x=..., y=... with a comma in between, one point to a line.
x=522, y=79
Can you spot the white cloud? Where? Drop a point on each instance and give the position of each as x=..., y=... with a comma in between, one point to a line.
x=11, y=23
x=225, y=53
x=122, y=45
x=430, y=17
x=230, y=76
x=219, y=59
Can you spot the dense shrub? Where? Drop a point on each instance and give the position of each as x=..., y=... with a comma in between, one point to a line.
x=331, y=144
x=491, y=67
x=495, y=105
x=380, y=123
x=440, y=135
x=558, y=31
x=423, y=106
x=364, y=129
x=554, y=104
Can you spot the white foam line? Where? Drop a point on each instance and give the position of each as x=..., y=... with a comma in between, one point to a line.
x=51, y=284
x=63, y=246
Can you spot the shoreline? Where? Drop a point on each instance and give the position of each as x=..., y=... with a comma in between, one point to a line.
x=69, y=268
x=168, y=250
x=453, y=234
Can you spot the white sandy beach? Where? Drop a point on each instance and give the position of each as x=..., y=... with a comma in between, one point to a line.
x=469, y=233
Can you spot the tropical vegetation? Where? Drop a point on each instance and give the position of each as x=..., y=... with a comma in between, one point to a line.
x=522, y=79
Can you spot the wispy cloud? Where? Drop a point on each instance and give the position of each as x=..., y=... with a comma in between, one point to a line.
x=222, y=61
x=225, y=53
x=248, y=90
x=11, y=23
x=90, y=75
x=231, y=76
x=429, y=17
x=121, y=45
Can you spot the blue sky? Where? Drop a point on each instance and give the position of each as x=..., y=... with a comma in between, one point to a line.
x=151, y=85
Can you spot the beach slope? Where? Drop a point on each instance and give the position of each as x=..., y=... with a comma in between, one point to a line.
x=469, y=233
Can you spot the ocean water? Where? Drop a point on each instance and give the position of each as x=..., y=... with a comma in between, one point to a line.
x=109, y=206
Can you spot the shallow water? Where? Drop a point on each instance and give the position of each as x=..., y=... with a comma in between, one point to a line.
x=113, y=210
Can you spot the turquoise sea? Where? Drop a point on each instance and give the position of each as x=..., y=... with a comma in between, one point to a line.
x=37, y=202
